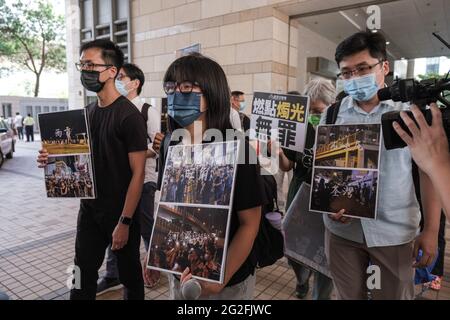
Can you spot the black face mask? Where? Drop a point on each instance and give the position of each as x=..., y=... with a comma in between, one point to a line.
x=90, y=80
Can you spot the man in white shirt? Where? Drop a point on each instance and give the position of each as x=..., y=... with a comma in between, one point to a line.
x=235, y=119
x=129, y=83
x=238, y=104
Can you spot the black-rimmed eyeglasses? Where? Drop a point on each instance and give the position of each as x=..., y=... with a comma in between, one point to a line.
x=185, y=87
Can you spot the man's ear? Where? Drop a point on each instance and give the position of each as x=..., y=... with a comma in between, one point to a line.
x=386, y=67
x=137, y=83
x=113, y=71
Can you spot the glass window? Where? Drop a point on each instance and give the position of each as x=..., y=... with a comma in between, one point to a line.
x=104, y=11
x=7, y=110
x=87, y=14
x=62, y=108
x=46, y=109
x=122, y=9
x=54, y=108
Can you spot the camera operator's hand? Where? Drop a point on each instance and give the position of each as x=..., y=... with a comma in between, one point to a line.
x=339, y=217
x=428, y=144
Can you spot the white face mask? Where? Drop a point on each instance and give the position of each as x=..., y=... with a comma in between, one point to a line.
x=121, y=87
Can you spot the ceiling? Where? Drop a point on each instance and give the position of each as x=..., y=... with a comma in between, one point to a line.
x=406, y=24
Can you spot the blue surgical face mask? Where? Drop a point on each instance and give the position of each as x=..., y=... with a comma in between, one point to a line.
x=242, y=106
x=184, y=108
x=361, y=88
x=120, y=86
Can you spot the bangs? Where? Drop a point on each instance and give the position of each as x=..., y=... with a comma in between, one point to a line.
x=188, y=68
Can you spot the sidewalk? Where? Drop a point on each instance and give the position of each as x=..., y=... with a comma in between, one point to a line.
x=37, y=238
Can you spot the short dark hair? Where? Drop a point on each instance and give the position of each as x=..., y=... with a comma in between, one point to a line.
x=17, y=113
x=236, y=93
x=213, y=82
x=134, y=72
x=111, y=53
x=360, y=41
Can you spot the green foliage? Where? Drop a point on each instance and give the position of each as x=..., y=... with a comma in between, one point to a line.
x=31, y=36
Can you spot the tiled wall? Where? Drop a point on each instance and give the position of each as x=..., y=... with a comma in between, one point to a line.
x=250, y=39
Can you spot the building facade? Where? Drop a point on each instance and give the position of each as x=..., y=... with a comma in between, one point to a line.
x=259, y=43
x=30, y=105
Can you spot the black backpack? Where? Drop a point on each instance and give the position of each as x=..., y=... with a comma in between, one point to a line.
x=269, y=243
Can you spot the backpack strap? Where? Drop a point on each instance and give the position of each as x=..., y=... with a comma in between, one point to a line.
x=163, y=150
x=333, y=110
x=144, y=111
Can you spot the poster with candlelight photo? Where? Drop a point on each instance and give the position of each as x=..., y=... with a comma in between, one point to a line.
x=193, y=215
x=346, y=170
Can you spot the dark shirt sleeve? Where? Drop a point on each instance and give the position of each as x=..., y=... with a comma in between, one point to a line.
x=248, y=191
x=246, y=123
x=134, y=133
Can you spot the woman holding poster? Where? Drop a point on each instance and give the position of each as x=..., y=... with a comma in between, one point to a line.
x=197, y=91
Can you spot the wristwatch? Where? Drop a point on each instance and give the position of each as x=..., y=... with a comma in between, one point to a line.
x=125, y=220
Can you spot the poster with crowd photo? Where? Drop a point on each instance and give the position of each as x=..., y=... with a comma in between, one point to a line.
x=65, y=136
x=193, y=214
x=69, y=177
x=304, y=233
x=346, y=170
x=280, y=117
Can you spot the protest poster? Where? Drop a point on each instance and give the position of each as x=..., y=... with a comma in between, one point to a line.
x=280, y=117
x=65, y=136
x=304, y=233
x=193, y=216
x=346, y=170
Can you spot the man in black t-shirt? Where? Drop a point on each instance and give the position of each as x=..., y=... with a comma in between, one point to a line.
x=119, y=144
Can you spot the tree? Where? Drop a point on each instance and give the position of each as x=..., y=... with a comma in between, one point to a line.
x=430, y=75
x=31, y=36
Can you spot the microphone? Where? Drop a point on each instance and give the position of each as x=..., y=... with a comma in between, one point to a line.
x=191, y=289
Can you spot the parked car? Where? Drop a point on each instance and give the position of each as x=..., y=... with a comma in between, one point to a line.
x=7, y=141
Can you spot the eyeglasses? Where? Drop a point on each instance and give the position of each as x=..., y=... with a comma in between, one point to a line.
x=185, y=87
x=121, y=76
x=359, y=70
x=90, y=66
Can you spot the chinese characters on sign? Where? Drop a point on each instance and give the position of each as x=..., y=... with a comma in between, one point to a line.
x=280, y=116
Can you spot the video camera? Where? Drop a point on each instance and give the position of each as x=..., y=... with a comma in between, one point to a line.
x=419, y=93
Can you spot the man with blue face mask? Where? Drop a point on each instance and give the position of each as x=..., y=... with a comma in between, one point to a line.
x=390, y=242
x=238, y=104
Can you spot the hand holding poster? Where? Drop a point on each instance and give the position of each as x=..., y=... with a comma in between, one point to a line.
x=346, y=170
x=69, y=172
x=193, y=216
x=282, y=117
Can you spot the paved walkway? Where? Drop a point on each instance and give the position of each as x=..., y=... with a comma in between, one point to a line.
x=37, y=241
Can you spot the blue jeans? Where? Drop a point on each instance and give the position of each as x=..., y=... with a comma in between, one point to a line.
x=146, y=209
x=323, y=286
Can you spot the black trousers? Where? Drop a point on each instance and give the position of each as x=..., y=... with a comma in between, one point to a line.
x=29, y=132
x=94, y=234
